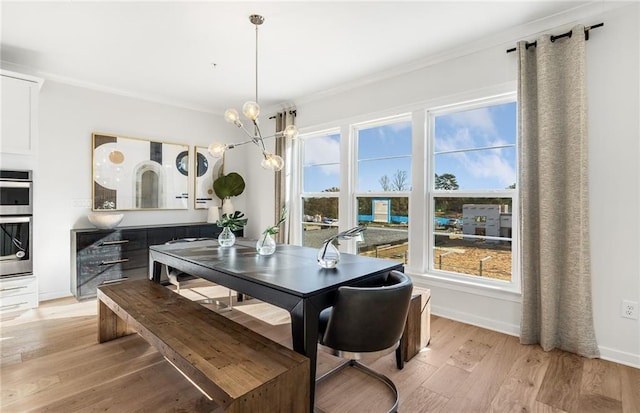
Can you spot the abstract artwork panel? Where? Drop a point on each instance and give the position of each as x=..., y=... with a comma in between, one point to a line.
x=133, y=173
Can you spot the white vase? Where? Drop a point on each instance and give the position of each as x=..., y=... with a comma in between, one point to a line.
x=213, y=214
x=227, y=207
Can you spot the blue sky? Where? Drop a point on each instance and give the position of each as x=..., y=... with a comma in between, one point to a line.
x=472, y=129
x=461, y=131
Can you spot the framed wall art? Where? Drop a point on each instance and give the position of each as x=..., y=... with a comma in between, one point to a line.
x=135, y=173
x=207, y=169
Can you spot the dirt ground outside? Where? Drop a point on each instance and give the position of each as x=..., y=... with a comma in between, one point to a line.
x=452, y=252
x=474, y=257
x=465, y=259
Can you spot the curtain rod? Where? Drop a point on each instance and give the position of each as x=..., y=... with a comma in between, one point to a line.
x=291, y=112
x=560, y=36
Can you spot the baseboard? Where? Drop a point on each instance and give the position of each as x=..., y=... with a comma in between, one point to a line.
x=621, y=357
x=54, y=295
x=468, y=318
x=606, y=353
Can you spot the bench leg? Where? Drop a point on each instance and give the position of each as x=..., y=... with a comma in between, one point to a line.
x=110, y=326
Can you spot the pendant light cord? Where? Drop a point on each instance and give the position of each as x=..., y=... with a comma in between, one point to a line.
x=256, y=63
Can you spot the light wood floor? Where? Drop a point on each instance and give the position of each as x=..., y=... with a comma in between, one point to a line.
x=51, y=362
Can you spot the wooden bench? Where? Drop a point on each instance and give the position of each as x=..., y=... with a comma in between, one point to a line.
x=239, y=369
x=417, y=330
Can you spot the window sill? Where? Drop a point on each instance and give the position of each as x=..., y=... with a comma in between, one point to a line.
x=505, y=293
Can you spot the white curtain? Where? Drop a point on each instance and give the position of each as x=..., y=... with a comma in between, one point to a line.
x=556, y=270
x=283, y=177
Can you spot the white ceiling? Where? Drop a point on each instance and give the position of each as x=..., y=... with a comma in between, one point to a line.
x=165, y=51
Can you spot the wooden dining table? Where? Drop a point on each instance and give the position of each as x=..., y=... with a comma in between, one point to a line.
x=290, y=279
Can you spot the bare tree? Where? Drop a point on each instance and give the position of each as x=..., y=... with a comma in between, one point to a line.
x=399, y=182
x=384, y=183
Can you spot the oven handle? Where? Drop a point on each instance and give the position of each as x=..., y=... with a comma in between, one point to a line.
x=14, y=184
x=4, y=220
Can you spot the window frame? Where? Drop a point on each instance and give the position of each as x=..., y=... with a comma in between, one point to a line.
x=431, y=194
x=298, y=215
x=355, y=194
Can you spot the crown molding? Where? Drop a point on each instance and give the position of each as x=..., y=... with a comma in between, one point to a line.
x=6, y=65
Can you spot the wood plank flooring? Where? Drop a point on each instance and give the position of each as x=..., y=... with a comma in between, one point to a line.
x=51, y=362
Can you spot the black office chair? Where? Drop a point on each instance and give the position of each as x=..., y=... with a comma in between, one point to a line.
x=366, y=322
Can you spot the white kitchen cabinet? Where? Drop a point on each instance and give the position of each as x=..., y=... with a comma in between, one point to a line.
x=18, y=293
x=19, y=110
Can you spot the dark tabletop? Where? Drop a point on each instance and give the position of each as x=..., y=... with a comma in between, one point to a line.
x=291, y=268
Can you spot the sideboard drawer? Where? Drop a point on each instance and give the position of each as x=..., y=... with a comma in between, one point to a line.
x=125, y=240
x=98, y=263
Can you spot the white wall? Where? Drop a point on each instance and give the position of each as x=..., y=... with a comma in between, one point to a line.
x=62, y=175
x=613, y=75
x=612, y=71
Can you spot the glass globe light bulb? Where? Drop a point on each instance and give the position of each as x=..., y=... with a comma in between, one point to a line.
x=232, y=116
x=272, y=162
x=217, y=149
x=290, y=132
x=251, y=110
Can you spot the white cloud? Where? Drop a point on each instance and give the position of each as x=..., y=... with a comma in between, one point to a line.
x=480, y=119
x=470, y=131
x=323, y=150
x=488, y=164
x=460, y=140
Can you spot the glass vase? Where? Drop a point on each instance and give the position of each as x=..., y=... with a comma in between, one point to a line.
x=266, y=245
x=328, y=255
x=226, y=238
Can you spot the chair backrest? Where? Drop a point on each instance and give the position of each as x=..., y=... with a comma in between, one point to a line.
x=369, y=319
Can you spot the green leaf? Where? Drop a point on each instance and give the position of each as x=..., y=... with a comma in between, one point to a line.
x=234, y=221
x=229, y=185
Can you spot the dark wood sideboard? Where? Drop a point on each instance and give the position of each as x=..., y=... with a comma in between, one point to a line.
x=101, y=256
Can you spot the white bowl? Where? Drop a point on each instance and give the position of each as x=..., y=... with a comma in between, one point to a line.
x=105, y=220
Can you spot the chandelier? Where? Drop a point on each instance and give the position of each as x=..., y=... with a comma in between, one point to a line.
x=251, y=110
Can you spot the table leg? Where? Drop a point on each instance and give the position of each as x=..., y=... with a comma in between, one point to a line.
x=304, y=332
x=399, y=355
x=154, y=270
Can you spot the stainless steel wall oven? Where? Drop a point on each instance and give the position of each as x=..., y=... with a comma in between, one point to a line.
x=16, y=223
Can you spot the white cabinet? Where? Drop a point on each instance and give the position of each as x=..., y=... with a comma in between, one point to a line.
x=18, y=293
x=19, y=109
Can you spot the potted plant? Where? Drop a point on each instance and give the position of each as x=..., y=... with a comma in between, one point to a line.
x=226, y=186
x=230, y=223
x=266, y=245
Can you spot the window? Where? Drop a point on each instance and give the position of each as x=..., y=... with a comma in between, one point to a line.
x=320, y=187
x=383, y=187
x=472, y=191
x=451, y=171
